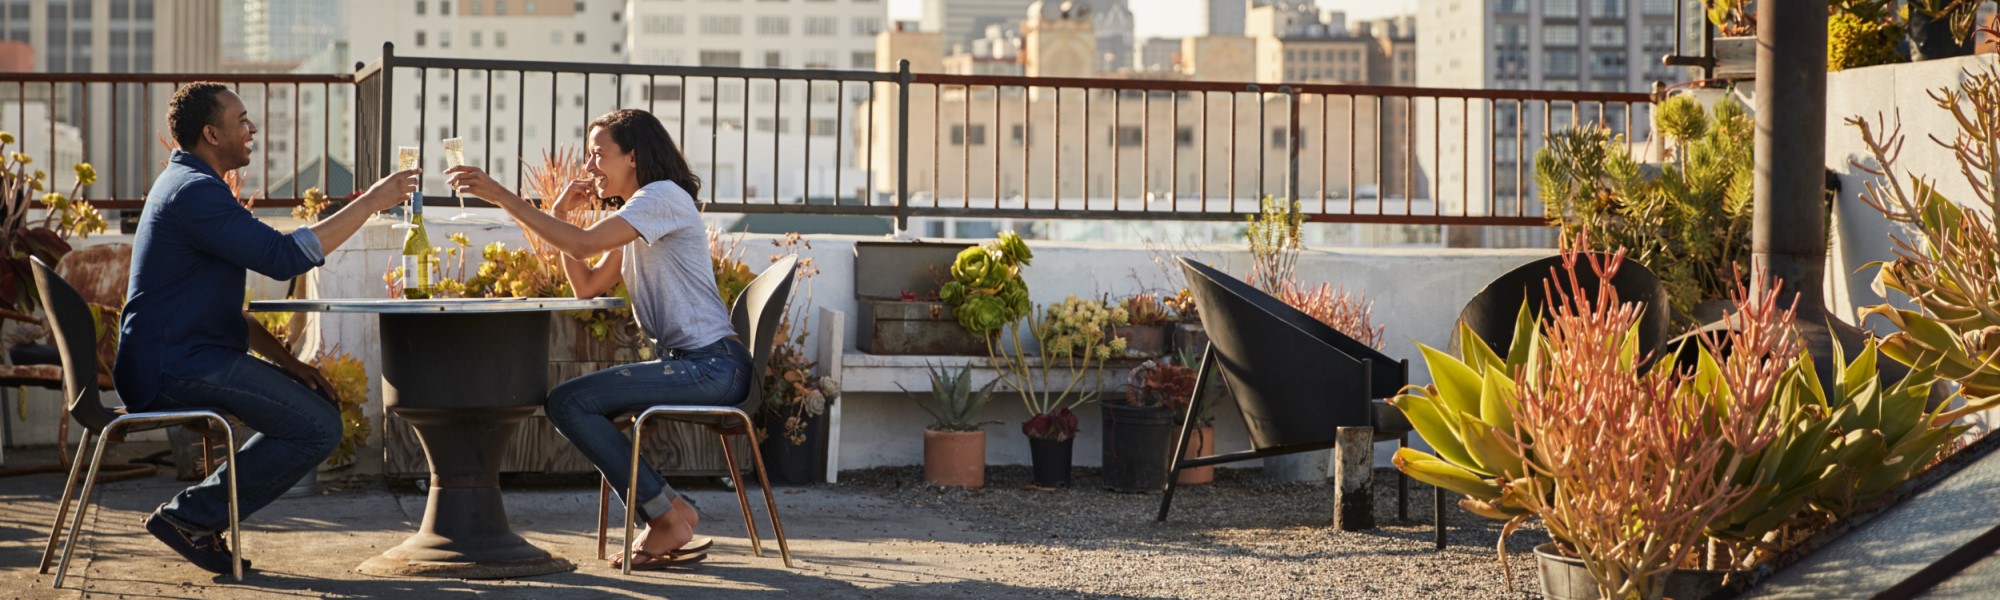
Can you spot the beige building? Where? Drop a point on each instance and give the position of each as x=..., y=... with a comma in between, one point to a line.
x=985, y=149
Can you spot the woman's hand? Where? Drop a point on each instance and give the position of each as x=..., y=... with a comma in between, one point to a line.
x=473, y=181
x=577, y=196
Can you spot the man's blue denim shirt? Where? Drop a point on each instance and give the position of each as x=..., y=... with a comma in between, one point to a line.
x=184, y=308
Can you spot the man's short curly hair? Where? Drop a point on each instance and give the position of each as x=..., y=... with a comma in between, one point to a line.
x=194, y=106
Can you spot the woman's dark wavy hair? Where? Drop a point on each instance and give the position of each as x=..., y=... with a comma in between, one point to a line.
x=653, y=150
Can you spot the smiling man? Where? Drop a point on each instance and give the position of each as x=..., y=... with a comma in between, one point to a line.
x=184, y=339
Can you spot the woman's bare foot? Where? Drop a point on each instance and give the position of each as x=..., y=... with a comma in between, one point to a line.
x=687, y=513
x=664, y=534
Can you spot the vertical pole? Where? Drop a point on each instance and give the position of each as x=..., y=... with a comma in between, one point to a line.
x=1292, y=135
x=384, y=146
x=903, y=145
x=1354, y=476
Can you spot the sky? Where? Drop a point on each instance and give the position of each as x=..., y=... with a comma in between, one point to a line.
x=1169, y=18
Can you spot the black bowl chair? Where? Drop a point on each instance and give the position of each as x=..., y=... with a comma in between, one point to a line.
x=1492, y=311
x=1296, y=380
x=756, y=314
x=74, y=331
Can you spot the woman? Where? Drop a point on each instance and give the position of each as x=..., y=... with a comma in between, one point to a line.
x=657, y=246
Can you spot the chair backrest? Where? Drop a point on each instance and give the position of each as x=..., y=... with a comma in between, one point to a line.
x=1491, y=312
x=756, y=314
x=75, y=334
x=1296, y=380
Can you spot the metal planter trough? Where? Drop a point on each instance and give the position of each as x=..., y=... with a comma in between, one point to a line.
x=892, y=281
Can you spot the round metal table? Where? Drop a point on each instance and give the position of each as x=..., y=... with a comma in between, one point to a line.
x=464, y=373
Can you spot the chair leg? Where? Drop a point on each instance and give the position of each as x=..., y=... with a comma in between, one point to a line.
x=62, y=507
x=1437, y=513
x=742, y=498
x=235, y=530
x=770, y=501
x=603, y=513
x=1403, y=485
x=89, y=481
x=631, y=495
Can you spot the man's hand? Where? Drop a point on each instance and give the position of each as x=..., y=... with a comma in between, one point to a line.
x=391, y=190
x=311, y=376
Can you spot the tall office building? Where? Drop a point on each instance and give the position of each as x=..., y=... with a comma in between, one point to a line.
x=1588, y=45
x=285, y=31
x=515, y=116
x=962, y=21
x=1225, y=17
x=115, y=36
x=724, y=120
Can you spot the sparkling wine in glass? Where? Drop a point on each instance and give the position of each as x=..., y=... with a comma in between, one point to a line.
x=454, y=153
x=406, y=159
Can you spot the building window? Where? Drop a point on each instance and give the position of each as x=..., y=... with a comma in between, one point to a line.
x=500, y=134
x=1512, y=35
x=977, y=135
x=1559, y=8
x=867, y=26
x=1184, y=137
x=665, y=91
x=662, y=25
x=477, y=38
x=1511, y=7
x=500, y=102
x=774, y=26
x=1019, y=135
x=1561, y=63
x=764, y=124
x=721, y=25
x=721, y=58
x=1659, y=36
x=1607, y=63
x=476, y=8
x=420, y=39
x=500, y=8
x=444, y=39
x=1559, y=35
x=1659, y=7
x=578, y=99
x=862, y=61
x=420, y=8
x=1131, y=135
x=1607, y=36
x=1609, y=9
x=1277, y=137
x=499, y=39
x=528, y=6
x=829, y=127
x=579, y=6
x=579, y=38
x=444, y=8
x=820, y=59
x=820, y=26
x=774, y=59
x=555, y=38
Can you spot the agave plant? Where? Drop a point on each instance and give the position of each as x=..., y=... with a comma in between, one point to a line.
x=952, y=402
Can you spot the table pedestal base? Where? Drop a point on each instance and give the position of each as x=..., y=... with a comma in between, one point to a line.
x=462, y=543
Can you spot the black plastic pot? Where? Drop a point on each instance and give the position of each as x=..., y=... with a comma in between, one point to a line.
x=1138, y=447
x=1565, y=578
x=792, y=464
x=1052, y=460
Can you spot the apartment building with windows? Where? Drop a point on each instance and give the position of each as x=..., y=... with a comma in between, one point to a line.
x=789, y=120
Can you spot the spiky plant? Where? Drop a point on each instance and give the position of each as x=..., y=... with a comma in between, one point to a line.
x=1951, y=265
x=1350, y=313
x=952, y=400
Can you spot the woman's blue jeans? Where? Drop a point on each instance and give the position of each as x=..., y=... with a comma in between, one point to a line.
x=582, y=409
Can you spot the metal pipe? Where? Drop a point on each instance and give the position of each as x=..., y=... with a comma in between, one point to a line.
x=1789, y=223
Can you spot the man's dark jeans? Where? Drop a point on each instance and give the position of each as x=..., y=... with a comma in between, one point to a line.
x=297, y=428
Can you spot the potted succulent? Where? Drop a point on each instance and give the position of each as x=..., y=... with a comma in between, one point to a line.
x=1777, y=457
x=1187, y=335
x=1142, y=427
x=1735, y=46
x=955, y=445
x=1073, y=341
x=1150, y=326
x=792, y=429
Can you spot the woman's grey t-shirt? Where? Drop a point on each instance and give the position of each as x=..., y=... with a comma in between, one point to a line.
x=669, y=272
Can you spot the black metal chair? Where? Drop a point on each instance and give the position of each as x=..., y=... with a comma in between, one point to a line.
x=1491, y=312
x=1296, y=380
x=74, y=331
x=756, y=314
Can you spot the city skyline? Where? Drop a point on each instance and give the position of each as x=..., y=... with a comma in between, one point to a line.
x=1167, y=18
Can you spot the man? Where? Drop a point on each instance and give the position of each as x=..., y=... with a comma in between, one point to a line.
x=184, y=337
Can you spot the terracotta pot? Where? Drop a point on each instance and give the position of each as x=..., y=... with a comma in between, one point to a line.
x=1203, y=444
x=955, y=458
x=1143, y=341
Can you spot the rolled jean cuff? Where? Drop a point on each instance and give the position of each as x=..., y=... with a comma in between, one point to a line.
x=658, y=505
x=181, y=524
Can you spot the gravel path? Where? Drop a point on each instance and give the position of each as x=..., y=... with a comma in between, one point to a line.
x=1240, y=537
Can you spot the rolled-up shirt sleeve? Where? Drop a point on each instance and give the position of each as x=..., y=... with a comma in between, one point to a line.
x=309, y=243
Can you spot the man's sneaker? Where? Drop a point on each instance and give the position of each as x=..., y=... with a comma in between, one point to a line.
x=210, y=552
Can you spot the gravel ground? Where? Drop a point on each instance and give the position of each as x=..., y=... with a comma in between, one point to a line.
x=1240, y=537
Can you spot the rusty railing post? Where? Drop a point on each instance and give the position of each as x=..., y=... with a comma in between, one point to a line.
x=903, y=146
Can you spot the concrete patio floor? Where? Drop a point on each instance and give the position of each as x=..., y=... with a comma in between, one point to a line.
x=879, y=534
x=845, y=545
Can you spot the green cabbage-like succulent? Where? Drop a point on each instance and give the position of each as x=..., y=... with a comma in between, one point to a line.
x=986, y=291
x=1014, y=250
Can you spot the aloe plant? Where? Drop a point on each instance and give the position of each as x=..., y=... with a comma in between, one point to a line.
x=952, y=401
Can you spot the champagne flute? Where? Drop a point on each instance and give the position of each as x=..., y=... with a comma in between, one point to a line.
x=454, y=154
x=406, y=159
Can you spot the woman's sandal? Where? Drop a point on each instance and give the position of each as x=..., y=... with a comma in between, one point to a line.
x=648, y=561
x=699, y=543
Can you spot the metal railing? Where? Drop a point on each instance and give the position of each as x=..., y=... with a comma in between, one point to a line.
x=902, y=144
